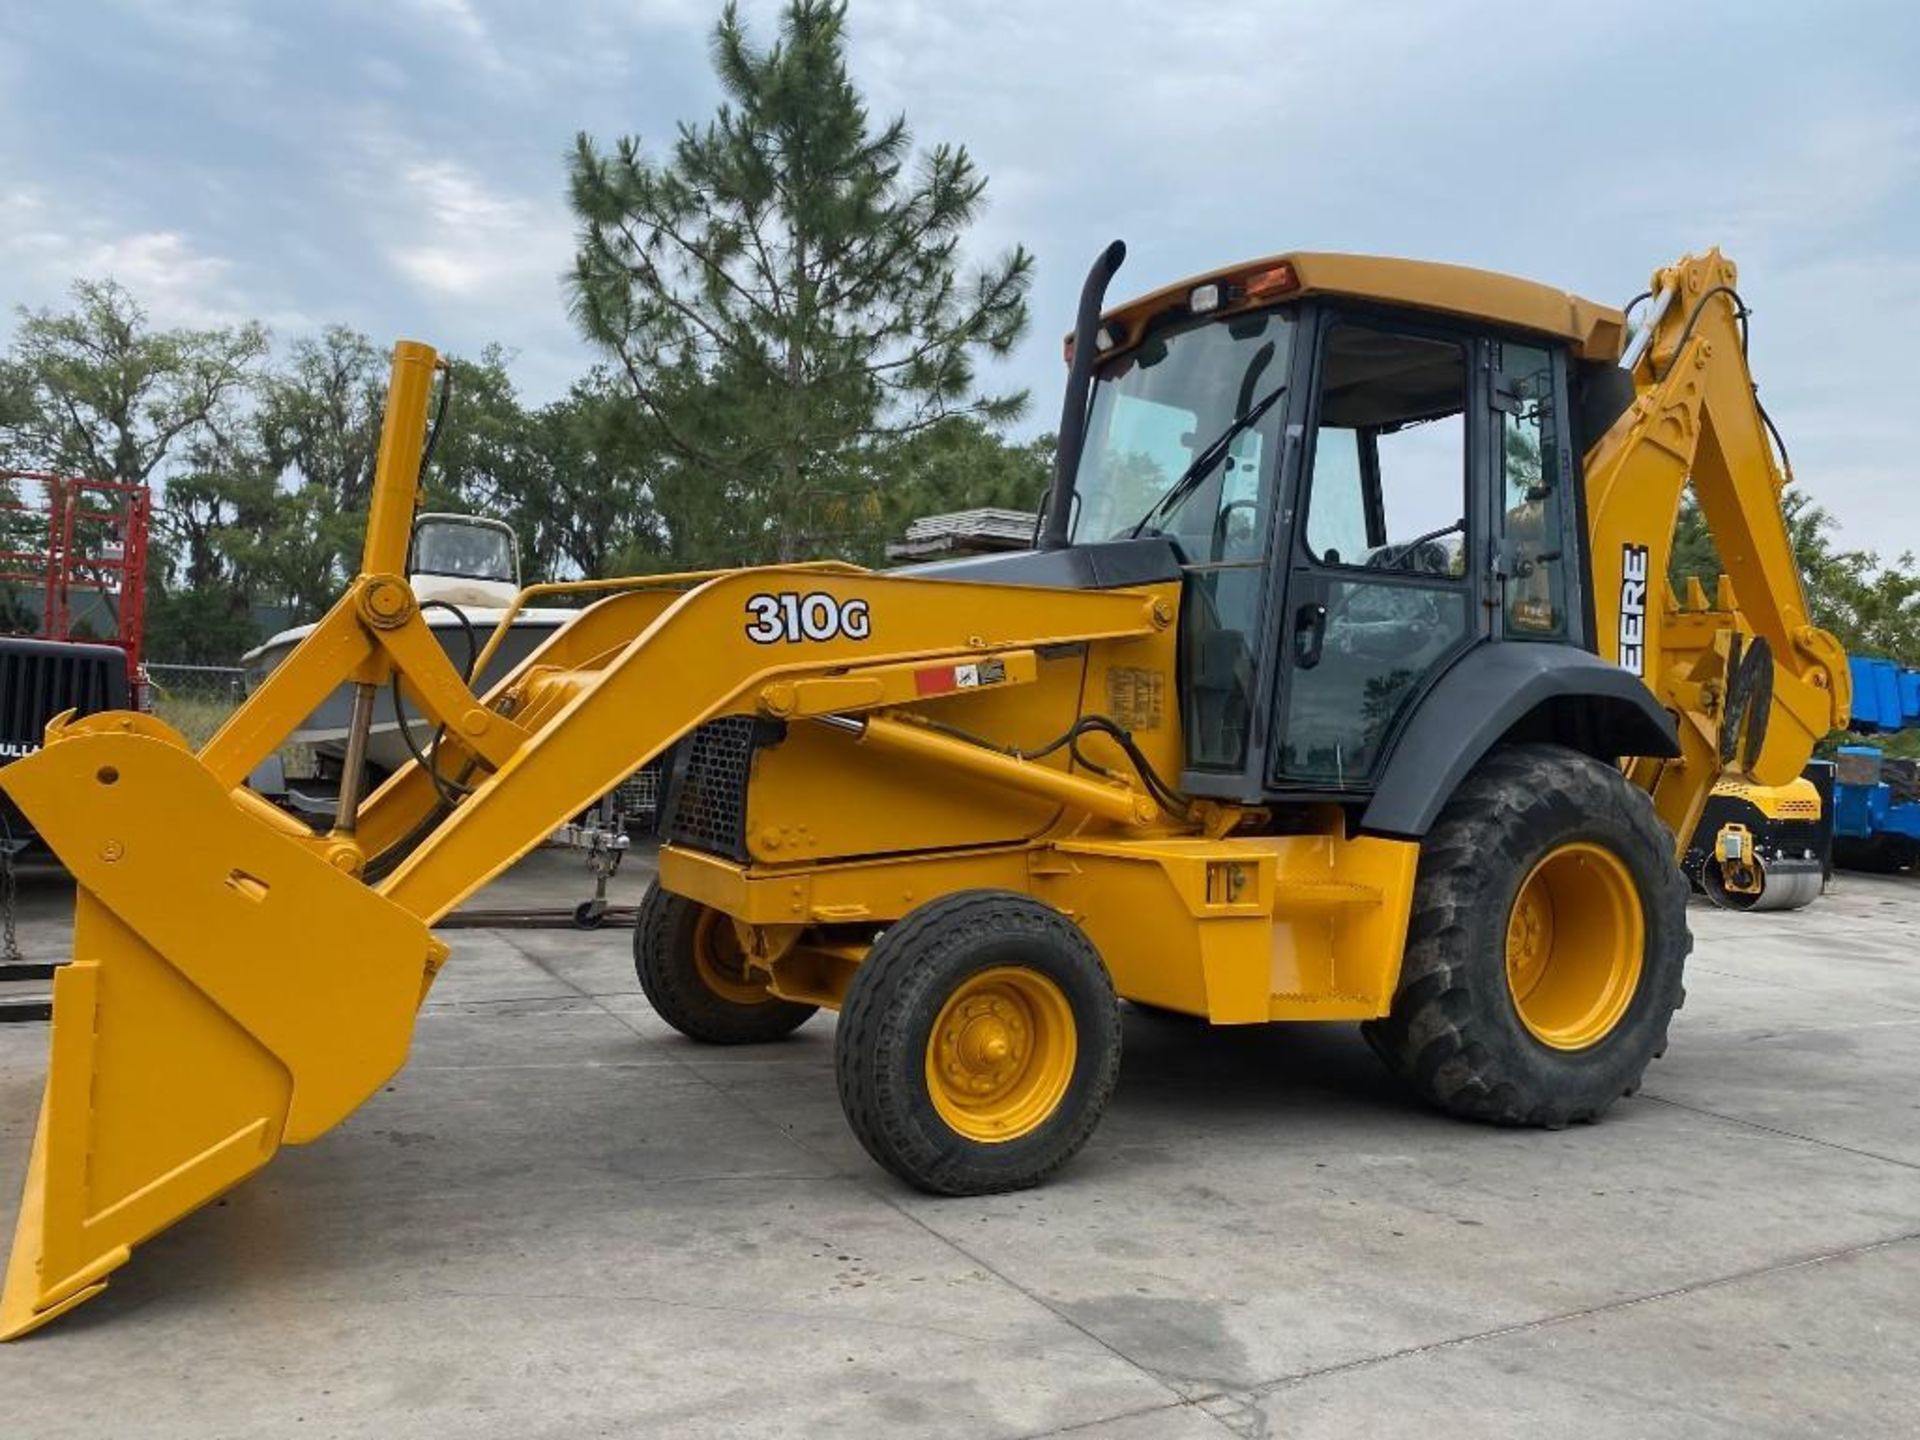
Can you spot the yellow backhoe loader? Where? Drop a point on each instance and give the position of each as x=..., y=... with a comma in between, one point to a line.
x=1337, y=686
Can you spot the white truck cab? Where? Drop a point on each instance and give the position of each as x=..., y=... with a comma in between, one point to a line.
x=464, y=560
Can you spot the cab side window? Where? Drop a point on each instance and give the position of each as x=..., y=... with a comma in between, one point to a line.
x=1389, y=488
x=1337, y=514
x=1533, y=495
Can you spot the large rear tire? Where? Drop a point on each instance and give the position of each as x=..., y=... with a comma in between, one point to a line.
x=1546, y=946
x=696, y=978
x=978, y=1045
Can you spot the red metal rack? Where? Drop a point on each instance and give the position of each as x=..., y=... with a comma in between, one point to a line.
x=64, y=538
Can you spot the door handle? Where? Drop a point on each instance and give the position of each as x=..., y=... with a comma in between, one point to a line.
x=1309, y=634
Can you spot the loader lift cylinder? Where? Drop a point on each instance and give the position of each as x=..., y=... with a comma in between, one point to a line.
x=390, y=515
x=353, y=777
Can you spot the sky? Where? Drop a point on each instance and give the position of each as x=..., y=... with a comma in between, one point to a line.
x=398, y=165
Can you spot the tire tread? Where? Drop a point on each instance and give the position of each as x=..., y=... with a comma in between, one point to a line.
x=1434, y=1038
x=663, y=937
x=894, y=983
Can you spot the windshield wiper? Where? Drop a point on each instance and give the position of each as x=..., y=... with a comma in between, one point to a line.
x=1214, y=452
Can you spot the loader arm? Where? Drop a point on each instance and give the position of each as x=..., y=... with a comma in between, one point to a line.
x=1751, y=681
x=240, y=981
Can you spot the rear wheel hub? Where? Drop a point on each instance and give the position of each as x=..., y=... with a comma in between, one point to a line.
x=1576, y=940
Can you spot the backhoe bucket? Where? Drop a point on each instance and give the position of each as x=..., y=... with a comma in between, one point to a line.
x=229, y=990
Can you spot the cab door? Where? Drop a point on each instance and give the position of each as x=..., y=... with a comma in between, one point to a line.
x=1384, y=552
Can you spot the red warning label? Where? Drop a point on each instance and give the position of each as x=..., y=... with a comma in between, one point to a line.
x=944, y=679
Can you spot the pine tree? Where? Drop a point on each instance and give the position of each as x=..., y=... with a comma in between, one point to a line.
x=785, y=295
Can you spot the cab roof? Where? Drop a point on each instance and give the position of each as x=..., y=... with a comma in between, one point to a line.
x=1594, y=331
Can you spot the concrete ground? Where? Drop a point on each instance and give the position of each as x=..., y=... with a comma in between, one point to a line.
x=563, y=1220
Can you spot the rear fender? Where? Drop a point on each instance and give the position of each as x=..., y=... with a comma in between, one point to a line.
x=1512, y=691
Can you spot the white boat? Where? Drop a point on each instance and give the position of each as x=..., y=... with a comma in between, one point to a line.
x=465, y=571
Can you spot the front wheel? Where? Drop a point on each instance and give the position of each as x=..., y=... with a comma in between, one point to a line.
x=978, y=1045
x=696, y=976
x=1546, y=945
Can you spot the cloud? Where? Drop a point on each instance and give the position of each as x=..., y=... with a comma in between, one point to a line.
x=45, y=249
x=473, y=239
x=460, y=14
x=397, y=164
x=449, y=245
x=177, y=285
x=1800, y=183
x=1568, y=150
x=449, y=230
x=223, y=26
x=1814, y=200
x=463, y=22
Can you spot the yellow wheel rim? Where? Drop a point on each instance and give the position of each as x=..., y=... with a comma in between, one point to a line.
x=1001, y=1054
x=721, y=964
x=1576, y=940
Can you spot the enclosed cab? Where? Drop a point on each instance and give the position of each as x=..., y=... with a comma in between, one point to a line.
x=466, y=560
x=1364, y=477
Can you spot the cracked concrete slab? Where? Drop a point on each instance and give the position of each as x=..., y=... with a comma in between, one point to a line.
x=563, y=1219
x=1817, y=1348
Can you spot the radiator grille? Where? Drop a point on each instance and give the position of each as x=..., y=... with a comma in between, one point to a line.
x=706, y=805
x=39, y=679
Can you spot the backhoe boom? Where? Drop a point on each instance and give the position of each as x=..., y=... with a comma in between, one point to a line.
x=1696, y=420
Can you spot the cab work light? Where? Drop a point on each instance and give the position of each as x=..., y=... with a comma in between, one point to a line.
x=1274, y=281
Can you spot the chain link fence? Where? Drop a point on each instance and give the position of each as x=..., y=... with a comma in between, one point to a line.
x=195, y=699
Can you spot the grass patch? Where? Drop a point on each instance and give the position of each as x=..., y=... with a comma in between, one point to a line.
x=198, y=716
x=194, y=716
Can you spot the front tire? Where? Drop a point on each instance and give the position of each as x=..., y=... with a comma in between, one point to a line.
x=694, y=974
x=978, y=1044
x=1546, y=946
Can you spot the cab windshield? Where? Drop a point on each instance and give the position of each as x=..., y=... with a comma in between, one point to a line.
x=1159, y=408
x=468, y=549
x=1187, y=395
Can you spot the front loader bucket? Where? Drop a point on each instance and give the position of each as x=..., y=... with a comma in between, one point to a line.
x=229, y=990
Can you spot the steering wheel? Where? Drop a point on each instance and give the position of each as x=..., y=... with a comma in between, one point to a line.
x=1392, y=557
x=1384, y=639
